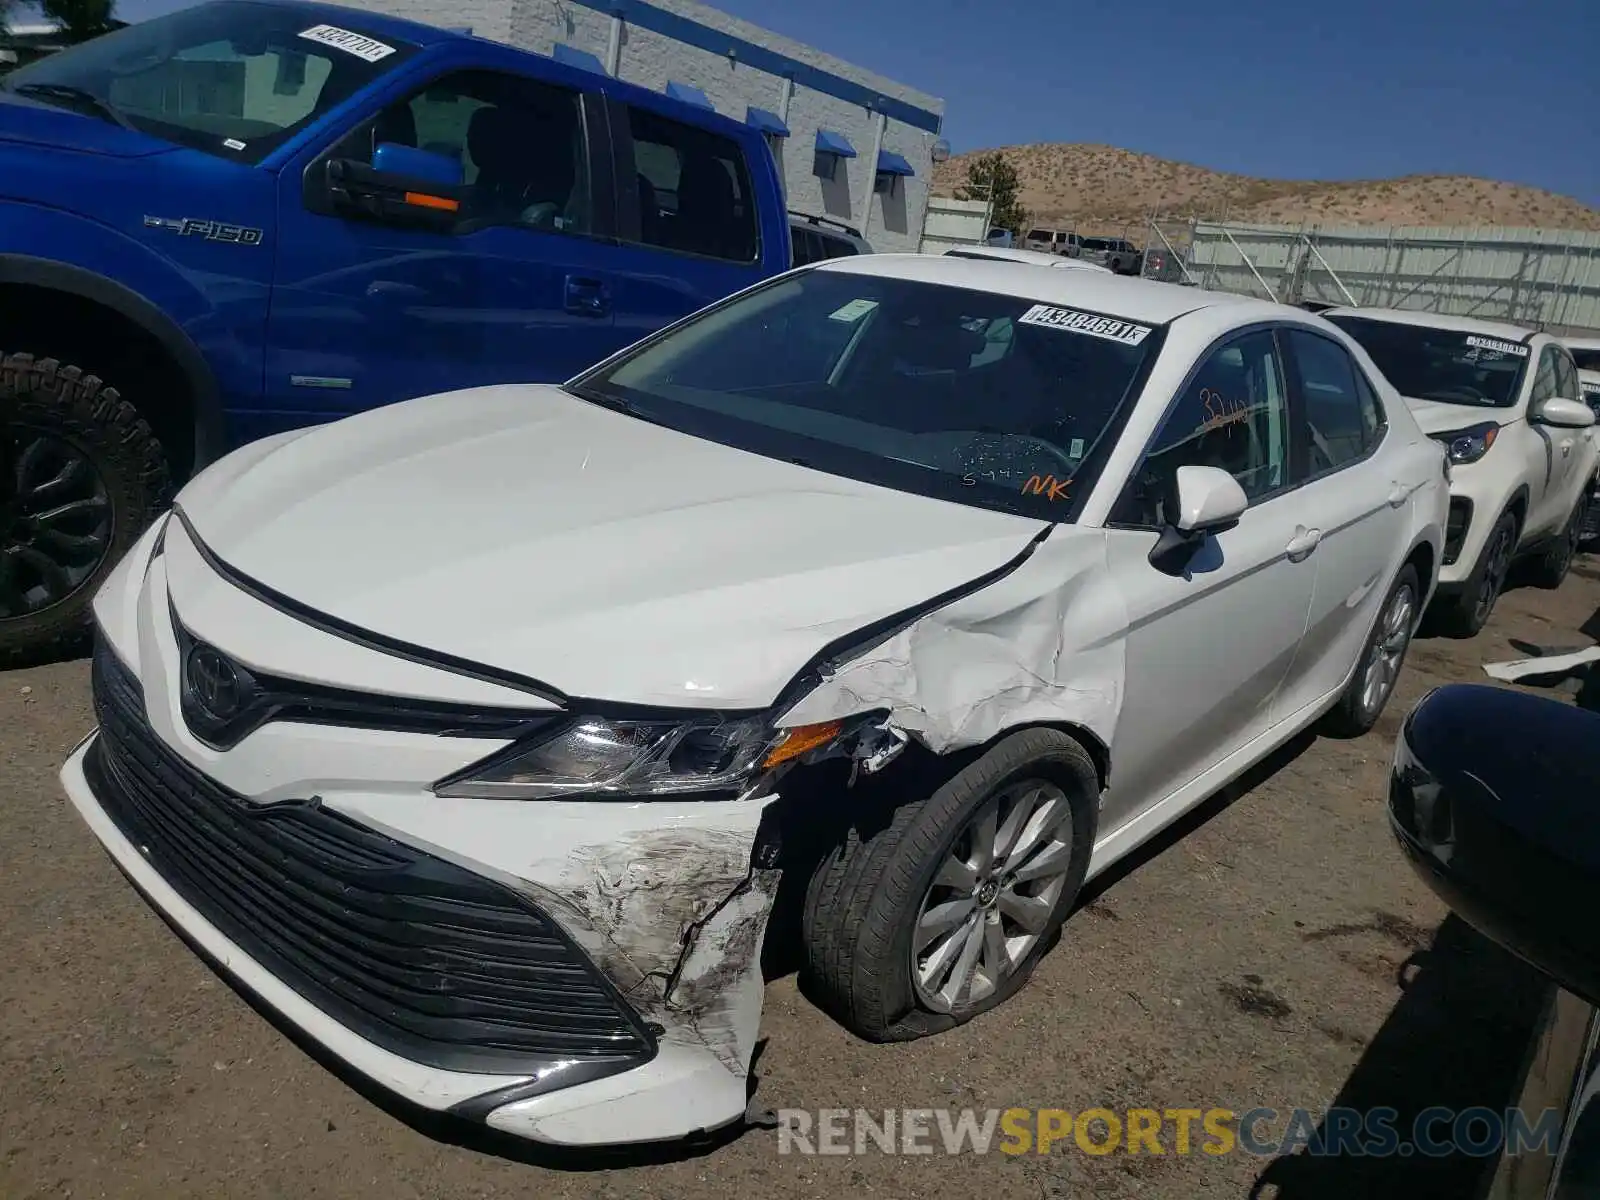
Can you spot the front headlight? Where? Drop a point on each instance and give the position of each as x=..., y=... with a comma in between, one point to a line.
x=1471, y=444
x=608, y=759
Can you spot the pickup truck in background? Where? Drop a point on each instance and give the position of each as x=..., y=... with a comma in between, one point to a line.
x=255, y=215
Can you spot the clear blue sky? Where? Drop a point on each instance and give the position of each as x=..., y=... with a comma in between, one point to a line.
x=1318, y=89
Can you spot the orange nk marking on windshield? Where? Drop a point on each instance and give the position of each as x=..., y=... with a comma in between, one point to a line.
x=1046, y=485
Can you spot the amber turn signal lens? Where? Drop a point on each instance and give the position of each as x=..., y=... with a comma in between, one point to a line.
x=800, y=739
x=423, y=200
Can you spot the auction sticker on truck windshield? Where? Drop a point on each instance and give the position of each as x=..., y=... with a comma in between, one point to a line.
x=1113, y=329
x=1495, y=344
x=363, y=47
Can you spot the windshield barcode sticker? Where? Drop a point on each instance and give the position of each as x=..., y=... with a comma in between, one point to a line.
x=1113, y=329
x=1495, y=344
x=363, y=47
x=853, y=311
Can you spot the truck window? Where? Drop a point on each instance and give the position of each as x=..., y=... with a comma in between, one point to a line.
x=519, y=142
x=837, y=247
x=807, y=246
x=694, y=189
x=233, y=79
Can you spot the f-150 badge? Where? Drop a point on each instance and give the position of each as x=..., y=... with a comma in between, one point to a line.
x=211, y=231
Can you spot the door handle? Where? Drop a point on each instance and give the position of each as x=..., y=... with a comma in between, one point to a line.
x=1566, y=447
x=587, y=297
x=1398, y=495
x=1303, y=543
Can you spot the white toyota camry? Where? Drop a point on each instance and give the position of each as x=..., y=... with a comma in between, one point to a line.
x=478, y=735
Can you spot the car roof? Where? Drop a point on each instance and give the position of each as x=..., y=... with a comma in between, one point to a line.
x=1406, y=316
x=1039, y=258
x=1122, y=295
x=1580, y=343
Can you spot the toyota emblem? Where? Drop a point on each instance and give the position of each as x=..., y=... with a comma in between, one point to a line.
x=214, y=684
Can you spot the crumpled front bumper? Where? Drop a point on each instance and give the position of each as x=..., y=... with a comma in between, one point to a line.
x=582, y=973
x=680, y=1002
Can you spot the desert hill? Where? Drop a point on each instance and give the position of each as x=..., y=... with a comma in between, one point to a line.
x=1101, y=188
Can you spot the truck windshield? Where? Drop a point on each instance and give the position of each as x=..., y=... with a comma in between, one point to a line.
x=232, y=78
x=1451, y=366
x=974, y=397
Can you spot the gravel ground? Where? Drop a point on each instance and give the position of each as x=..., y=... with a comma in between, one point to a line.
x=1273, y=951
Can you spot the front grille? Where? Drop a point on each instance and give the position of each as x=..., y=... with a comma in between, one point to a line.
x=1455, y=532
x=415, y=954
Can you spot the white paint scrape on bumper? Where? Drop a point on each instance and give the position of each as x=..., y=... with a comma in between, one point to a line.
x=673, y=920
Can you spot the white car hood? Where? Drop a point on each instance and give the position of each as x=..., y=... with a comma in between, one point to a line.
x=605, y=557
x=1436, y=417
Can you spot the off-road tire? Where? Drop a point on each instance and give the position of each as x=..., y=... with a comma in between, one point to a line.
x=1550, y=569
x=863, y=898
x=1457, y=615
x=1350, y=717
x=78, y=408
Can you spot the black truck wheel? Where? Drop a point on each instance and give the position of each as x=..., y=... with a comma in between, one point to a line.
x=81, y=477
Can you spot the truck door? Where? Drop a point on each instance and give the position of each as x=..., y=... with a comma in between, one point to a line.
x=366, y=311
x=689, y=202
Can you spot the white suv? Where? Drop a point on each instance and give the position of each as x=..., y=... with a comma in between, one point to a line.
x=1506, y=403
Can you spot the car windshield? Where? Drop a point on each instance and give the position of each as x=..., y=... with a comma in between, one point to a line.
x=968, y=396
x=1452, y=366
x=1587, y=360
x=233, y=78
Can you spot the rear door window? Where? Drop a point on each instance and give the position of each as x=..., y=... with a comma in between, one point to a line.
x=1342, y=416
x=695, y=194
x=837, y=247
x=807, y=246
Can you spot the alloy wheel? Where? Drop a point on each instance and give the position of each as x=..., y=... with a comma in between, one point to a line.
x=1494, y=574
x=55, y=523
x=1388, y=649
x=993, y=896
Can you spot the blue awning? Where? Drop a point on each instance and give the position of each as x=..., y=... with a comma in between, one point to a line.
x=581, y=59
x=767, y=122
x=892, y=164
x=829, y=142
x=689, y=95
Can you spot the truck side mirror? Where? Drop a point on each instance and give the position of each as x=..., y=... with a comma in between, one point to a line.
x=401, y=186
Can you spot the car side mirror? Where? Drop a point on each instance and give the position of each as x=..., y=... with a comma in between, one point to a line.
x=401, y=186
x=1563, y=413
x=1491, y=797
x=1208, y=501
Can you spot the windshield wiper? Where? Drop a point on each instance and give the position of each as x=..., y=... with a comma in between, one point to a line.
x=604, y=399
x=72, y=97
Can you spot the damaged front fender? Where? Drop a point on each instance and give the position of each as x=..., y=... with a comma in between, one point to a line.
x=1046, y=643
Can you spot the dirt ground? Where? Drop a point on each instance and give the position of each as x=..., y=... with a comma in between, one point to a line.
x=1273, y=951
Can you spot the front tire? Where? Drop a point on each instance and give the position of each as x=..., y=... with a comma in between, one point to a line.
x=1382, y=657
x=944, y=911
x=81, y=477
x=1464, y=614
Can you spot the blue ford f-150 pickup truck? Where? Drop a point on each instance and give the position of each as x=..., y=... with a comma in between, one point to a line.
x=254, y=215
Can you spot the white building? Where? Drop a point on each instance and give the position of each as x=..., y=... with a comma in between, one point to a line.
x=851, y=145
